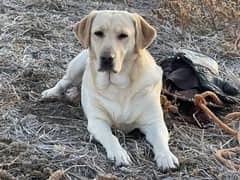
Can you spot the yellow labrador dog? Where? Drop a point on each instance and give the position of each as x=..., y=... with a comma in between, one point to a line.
x=121, y=83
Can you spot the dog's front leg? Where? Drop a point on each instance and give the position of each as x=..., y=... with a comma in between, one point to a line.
x=58, y=90
x=72, y=77
x=102, y=133
x=157, y=135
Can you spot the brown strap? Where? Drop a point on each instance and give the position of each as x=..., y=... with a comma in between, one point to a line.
x=230, y=116
x=199, y=100
x=221, y=155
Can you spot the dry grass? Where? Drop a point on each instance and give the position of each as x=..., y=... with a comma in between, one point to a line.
x=207, y=16
x=37, y=42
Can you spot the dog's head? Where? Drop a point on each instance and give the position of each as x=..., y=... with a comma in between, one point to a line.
x=113, y=36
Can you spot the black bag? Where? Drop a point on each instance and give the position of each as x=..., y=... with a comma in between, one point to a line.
x=189, y=73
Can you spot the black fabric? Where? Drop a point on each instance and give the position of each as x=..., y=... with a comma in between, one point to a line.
x=179, y=77
x=180, y=74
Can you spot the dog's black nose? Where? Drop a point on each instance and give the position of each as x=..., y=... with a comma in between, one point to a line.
x=107, y=61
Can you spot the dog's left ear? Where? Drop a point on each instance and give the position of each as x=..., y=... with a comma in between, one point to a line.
x=82, y=29
x=145, y=33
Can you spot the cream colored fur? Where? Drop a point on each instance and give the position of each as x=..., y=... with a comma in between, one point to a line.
x=127, y=97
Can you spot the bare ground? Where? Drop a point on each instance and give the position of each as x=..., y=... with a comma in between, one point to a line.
x=37, y=42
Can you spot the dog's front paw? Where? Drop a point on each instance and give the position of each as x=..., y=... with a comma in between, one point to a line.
x=50, y=94
x=120, y=156
x=73, y=94
x=167, y=161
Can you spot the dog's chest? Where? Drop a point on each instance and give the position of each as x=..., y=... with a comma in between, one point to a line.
x=121, y=105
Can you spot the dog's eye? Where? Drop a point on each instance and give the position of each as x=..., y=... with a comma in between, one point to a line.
x=122, y=36
x=99, y=33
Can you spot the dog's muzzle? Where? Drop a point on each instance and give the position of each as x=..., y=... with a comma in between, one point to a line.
x=107, y=62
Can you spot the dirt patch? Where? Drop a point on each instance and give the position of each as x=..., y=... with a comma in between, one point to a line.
x=36, y=44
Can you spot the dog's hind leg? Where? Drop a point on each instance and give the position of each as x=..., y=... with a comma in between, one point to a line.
x=72, y=77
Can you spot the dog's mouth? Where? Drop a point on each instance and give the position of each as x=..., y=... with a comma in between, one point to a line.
x=101, y=69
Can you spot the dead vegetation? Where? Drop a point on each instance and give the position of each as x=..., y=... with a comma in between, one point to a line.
x=36, y=43
x=208, y=16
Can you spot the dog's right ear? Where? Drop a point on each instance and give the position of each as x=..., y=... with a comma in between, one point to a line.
x=82, y=29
